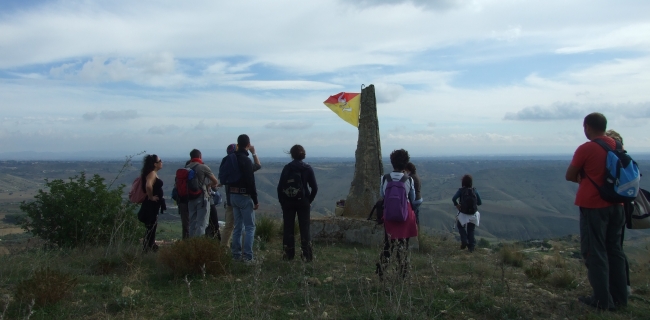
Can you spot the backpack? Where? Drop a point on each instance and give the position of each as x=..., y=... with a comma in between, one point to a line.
x=137, y=194
x=637, y=213
x=291, y=184
x=468, y=201
x=395, y=199
x=187, y=184
x=622, y=175
x=229, y=172
x=379, y=208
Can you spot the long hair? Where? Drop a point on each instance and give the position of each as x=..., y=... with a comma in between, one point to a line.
x=148, y=164
x=466, y=181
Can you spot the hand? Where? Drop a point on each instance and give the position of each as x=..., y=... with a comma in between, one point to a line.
x=256, y=206
x=578, y=178
x=458, y=207
x=251, y=148
x=154, y=198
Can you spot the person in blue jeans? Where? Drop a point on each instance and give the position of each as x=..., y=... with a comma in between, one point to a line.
x=243, y=197
x=465, y=220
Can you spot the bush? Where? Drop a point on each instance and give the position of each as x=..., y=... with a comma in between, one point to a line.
x=563, y=279
x=510, y=255
x=200, y=255
x=81, y=212
x=537, y=270
x=484, y=243
x=266, y=228
x=45, y=287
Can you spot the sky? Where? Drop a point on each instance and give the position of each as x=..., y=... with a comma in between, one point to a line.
x=452, y=77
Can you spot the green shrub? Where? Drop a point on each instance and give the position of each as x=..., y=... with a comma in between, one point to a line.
x=512, y=256
x=266, y=228
x=484, y=243
x=81, y=212
x=537, y=270
x=200, y=255
x=45, y=287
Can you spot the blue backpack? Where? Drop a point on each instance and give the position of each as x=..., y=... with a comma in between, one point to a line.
x=622, y=175
x=395, y=199
x=229, y=172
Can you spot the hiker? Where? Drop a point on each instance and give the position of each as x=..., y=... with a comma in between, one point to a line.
x=616, y=136
x=398, y=215
x=198, y=208
x=468, y=215
x=295, y=199
x=229, y=219
x=154, y=203
x=243, y=198
x=601, y=221
x=410, y=171
x=183, y=211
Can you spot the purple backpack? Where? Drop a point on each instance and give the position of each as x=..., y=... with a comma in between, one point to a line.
x=395, y=199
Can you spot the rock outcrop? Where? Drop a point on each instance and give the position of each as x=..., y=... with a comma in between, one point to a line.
x=364, y=191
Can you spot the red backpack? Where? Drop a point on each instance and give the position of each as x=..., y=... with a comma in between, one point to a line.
x=187, y=184
x=136, y=194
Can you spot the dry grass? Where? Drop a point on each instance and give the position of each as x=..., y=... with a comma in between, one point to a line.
x=199, y=255
x=511, y=255
x=563, y=279
x=45, y=287
x=537, y=270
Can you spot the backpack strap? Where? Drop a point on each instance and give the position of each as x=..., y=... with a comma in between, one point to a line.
x=405, y=178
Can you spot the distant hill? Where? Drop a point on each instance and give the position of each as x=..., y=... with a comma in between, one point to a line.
x=522, y=199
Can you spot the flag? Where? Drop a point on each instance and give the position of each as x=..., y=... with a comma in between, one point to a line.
x=346, y=105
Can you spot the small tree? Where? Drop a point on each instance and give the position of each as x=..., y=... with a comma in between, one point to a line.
x=80, y=212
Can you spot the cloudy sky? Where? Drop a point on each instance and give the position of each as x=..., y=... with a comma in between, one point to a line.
x=452, y=77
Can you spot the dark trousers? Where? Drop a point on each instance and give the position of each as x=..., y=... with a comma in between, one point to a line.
x=184, y=212
x=212, y=230
x=148, y=215
x=402, y=248
x=467, y=236
x=289, y=212
x=600, y=245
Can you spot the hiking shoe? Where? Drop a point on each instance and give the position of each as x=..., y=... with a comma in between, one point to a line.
x=590, y=301
x=463, y=246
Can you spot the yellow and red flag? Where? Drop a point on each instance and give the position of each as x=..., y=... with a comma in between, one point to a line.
x=346, y=105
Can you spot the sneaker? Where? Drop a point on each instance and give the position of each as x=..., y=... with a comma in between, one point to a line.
x=590, y=301
x=463, y=246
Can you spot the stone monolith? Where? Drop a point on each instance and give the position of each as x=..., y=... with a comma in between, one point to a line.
x=368, y=168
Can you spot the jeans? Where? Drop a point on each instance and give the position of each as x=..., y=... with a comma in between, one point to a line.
x=198, y=213
x=244, y=215
x=289, y=212
x=467, y=237
x=227, y=229
x=600, y=245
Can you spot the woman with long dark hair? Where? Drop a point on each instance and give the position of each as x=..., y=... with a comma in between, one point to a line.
x=154, y=203
x=295, y=199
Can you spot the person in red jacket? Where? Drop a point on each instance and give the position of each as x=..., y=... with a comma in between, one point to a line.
x=601, y=222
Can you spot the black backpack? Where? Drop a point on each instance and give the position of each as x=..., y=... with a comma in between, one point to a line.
x=229, y=172
x=468, y=201
x=291, y=184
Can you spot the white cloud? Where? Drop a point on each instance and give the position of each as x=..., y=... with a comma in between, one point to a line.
x=163, y=129
x=289, y=125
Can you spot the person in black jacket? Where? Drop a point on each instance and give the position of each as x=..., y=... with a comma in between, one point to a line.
x=243, y=198
x=295, y=199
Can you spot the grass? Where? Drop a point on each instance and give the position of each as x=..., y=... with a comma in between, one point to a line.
x=511, y=255
x=443, y=283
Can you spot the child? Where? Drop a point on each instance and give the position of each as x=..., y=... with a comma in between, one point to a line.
x=468, y=215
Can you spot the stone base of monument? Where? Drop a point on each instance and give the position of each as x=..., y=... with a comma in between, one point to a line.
x=350, y=230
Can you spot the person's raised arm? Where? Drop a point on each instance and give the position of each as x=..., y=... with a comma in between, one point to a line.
x=256, y=160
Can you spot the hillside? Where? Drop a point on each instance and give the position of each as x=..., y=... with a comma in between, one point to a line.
x=527, y=281
x=523, y=199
